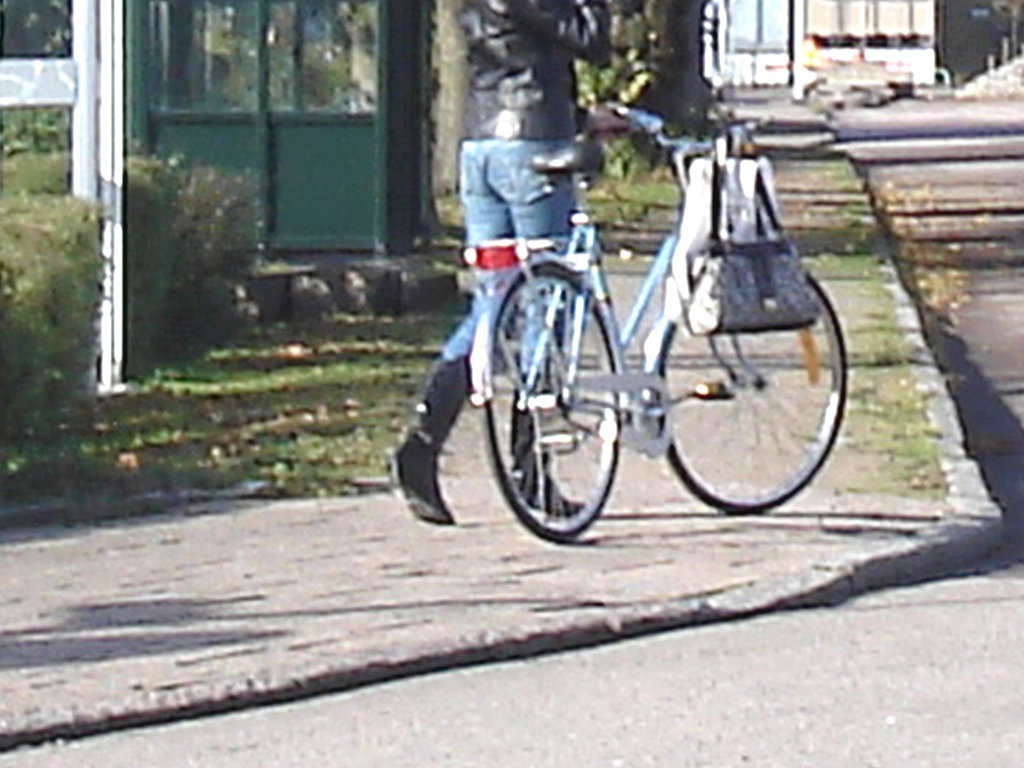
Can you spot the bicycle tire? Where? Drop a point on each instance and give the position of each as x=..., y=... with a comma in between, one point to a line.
x=553, y=442
x=746, y=446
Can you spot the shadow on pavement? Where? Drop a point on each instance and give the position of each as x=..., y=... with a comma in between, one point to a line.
x=993, y=433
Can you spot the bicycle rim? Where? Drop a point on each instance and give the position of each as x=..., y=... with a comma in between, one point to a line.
x=552, y=438
x=756, y=415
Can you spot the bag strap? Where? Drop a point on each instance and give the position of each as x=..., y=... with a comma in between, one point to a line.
x=761, y=190
x=717, y=173
x=762, y=196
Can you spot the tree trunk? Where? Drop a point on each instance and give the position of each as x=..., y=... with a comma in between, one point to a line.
x=449, y=94
x=677, y=90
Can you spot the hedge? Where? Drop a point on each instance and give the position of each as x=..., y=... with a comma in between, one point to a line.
x=50, y=272
x=191, y=235
x=190, y=241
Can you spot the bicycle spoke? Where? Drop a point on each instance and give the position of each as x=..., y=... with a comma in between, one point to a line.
x=552, y=452
x=773, y=428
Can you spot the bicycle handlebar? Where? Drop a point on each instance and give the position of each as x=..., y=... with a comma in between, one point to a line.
x=654, y=126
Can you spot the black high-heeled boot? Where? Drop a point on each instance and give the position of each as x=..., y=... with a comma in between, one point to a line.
x=414, y=464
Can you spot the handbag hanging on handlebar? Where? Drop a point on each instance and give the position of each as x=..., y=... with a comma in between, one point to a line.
x=743, y=285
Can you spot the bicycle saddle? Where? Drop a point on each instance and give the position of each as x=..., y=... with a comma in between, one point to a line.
x=581, y=156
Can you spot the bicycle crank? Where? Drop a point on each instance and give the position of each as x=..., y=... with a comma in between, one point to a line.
x=643, y=400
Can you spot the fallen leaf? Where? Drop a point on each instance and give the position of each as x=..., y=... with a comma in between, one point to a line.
x=128, y=461
x=296, y=351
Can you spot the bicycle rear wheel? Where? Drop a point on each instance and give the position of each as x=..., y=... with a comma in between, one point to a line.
x=756, y=414
x=552, y=428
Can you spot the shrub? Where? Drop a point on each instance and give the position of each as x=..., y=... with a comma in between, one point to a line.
x=36, y=151
x=150, y=187
x=49, y=278
x=216, y=232
x=37, y=173
x=191, y=237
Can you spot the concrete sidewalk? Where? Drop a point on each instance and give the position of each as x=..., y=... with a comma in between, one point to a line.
x=230, y=605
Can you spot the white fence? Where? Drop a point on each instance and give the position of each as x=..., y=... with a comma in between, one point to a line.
x=91, y=83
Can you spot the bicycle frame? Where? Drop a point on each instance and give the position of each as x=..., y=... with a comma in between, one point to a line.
x=643, y=397
x=642, y=393
x=638, y=390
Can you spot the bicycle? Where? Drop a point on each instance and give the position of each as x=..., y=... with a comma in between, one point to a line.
x=745, y=420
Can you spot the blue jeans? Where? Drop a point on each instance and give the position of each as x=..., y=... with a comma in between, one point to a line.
x=503, y=197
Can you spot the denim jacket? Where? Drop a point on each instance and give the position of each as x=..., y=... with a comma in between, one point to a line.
x=522, y=84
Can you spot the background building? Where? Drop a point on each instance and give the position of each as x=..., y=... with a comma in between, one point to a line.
x=913, y=40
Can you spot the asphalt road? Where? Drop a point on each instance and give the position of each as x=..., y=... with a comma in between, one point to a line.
x=922, y=676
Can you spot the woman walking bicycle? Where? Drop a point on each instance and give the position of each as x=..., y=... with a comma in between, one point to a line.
x=521, y=102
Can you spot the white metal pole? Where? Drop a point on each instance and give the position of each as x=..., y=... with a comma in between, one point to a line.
x=111, y=184
x=798, y=27
x=97, y=152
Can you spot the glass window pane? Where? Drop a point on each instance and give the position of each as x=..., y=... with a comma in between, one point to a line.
x=323, y=55
x=35, y=28
x=283, y=46
x=338, y=64
x=205, y=54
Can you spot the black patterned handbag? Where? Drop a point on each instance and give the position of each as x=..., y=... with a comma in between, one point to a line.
x=746, y=287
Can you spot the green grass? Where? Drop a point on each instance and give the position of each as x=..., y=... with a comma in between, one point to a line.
x=887, y=414
x=617, y=202
x=300, y=412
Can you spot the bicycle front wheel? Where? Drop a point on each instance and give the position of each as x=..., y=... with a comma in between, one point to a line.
x=552, y=423
x=756, y=414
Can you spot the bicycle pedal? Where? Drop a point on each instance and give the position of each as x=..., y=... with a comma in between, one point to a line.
x=712, y=390
x=559, y=441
